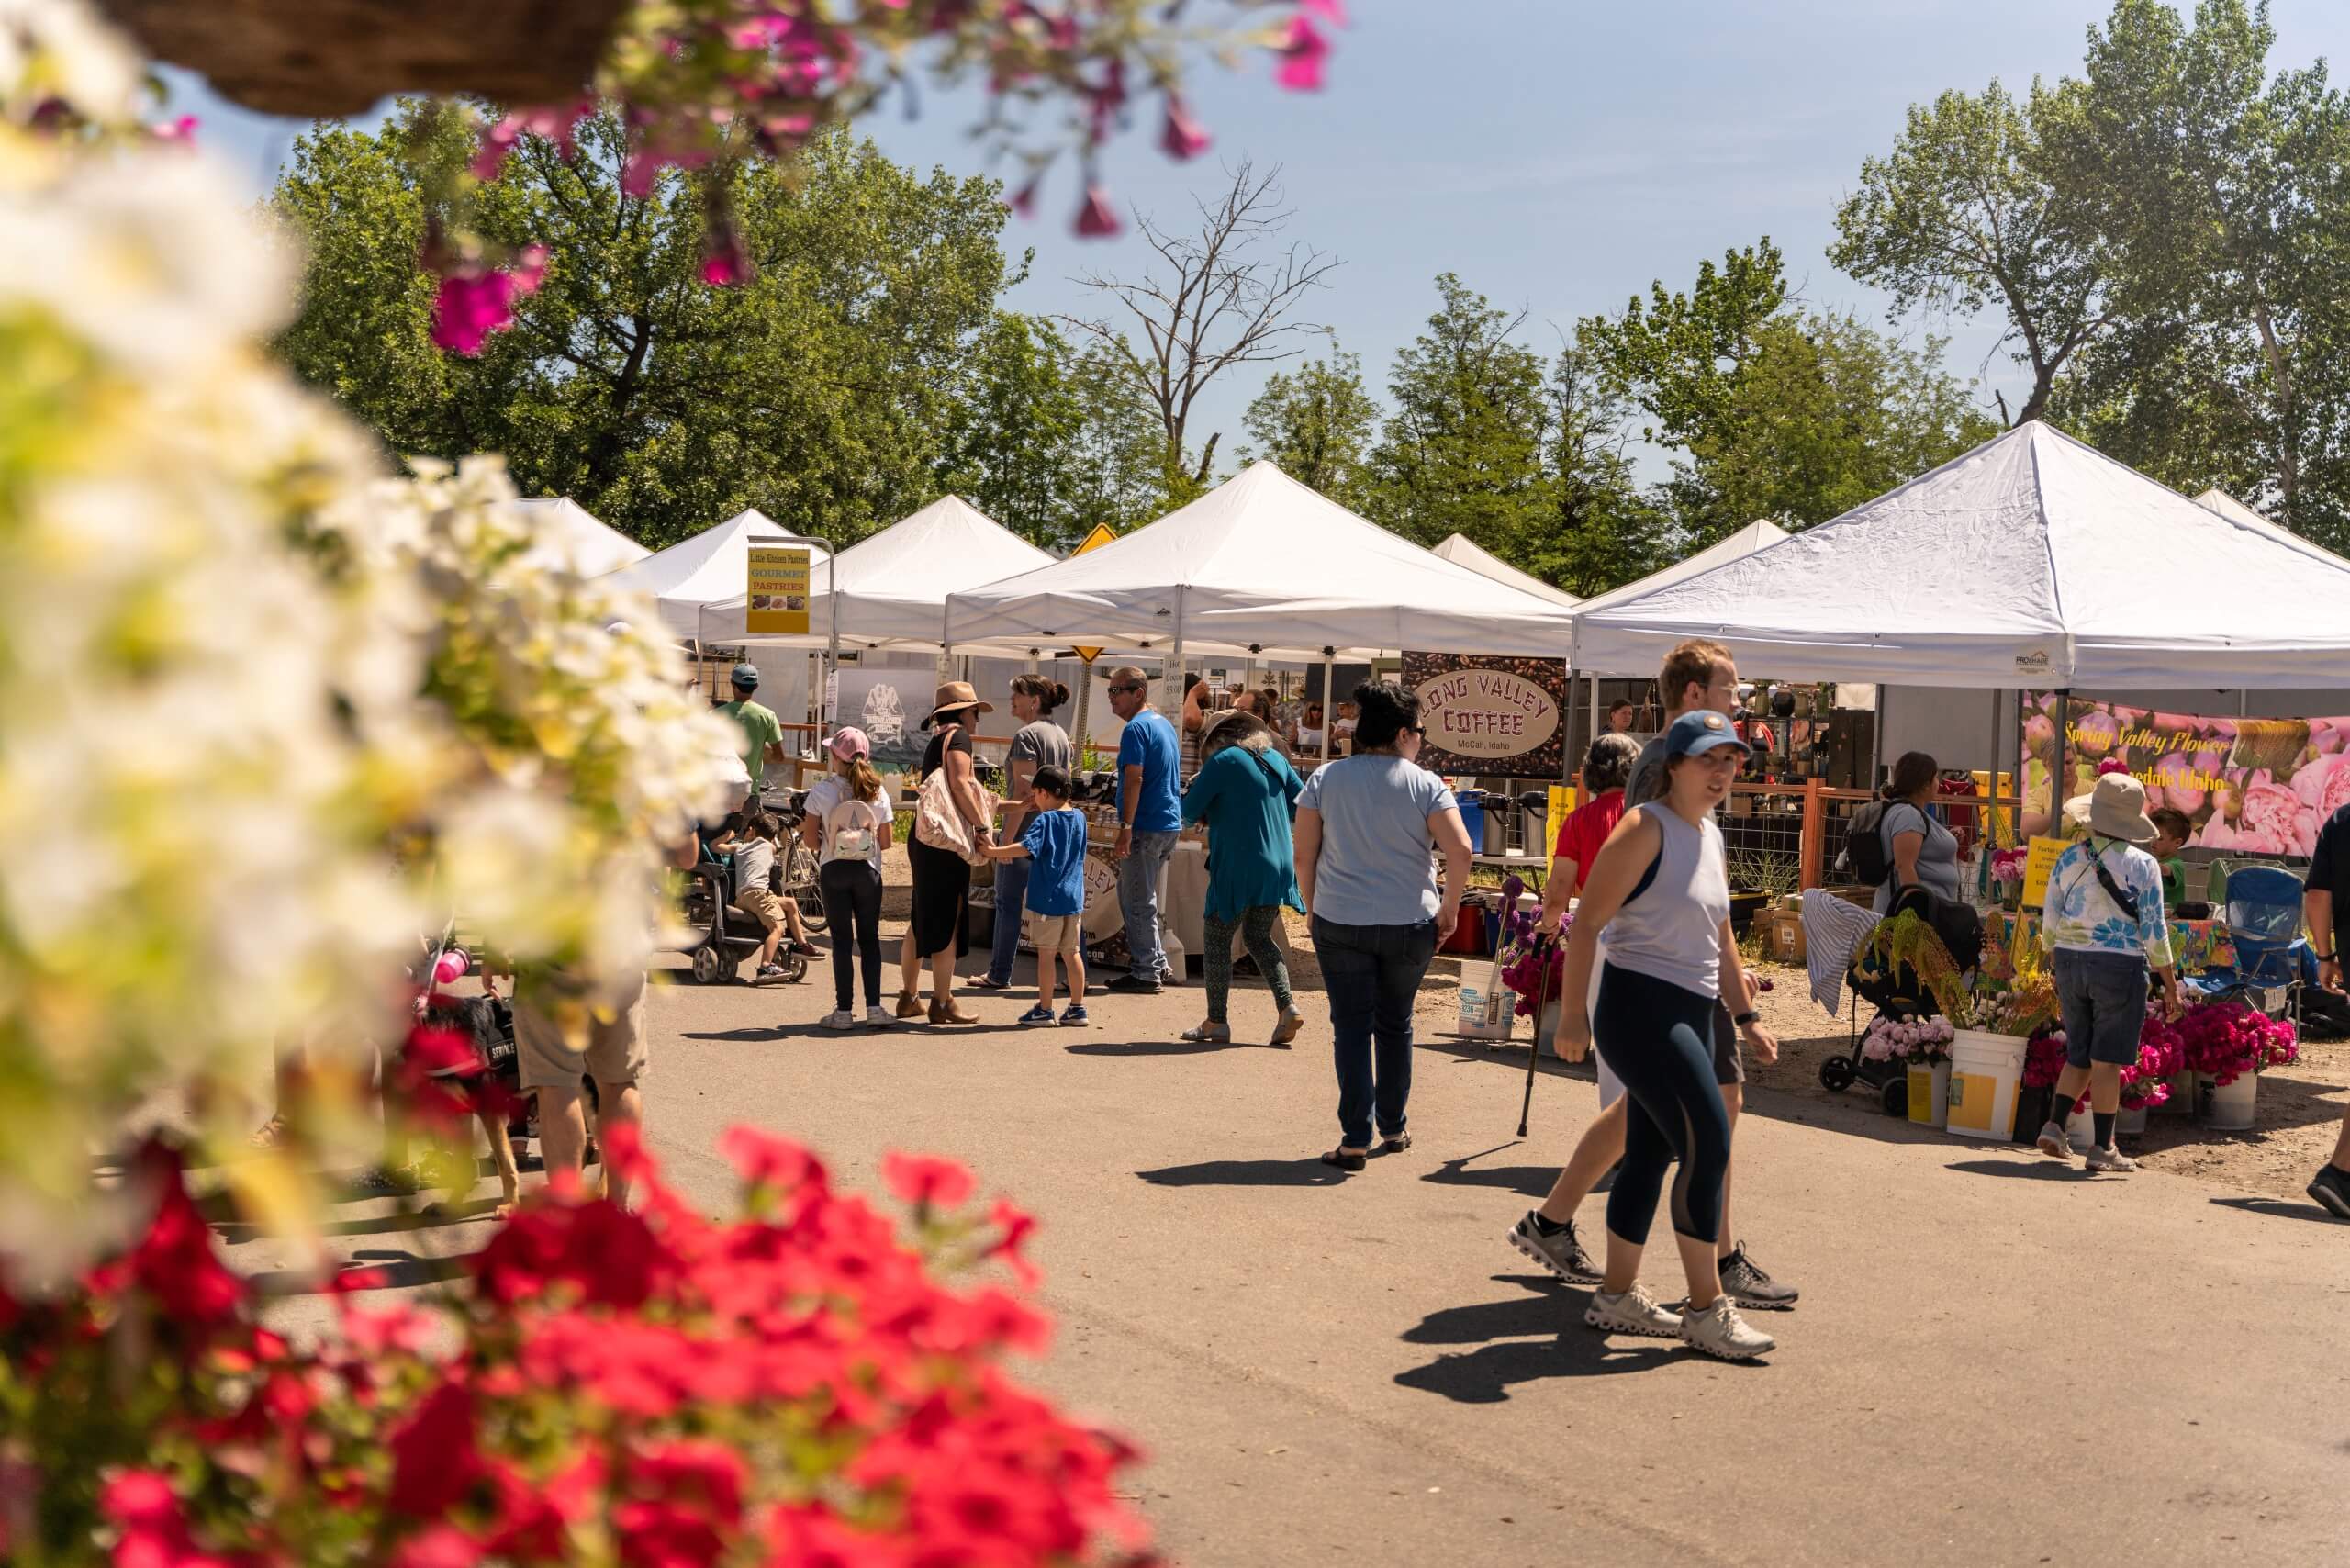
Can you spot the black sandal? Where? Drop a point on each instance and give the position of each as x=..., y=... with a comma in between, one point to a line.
x=1395, y=1145
x=1343, y=1160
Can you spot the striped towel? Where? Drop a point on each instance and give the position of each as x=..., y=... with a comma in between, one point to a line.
x=1832, y=932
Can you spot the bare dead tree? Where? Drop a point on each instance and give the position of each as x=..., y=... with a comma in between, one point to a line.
x=1215, y=299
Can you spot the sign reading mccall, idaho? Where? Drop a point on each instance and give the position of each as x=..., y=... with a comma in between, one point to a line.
x=1490, y=715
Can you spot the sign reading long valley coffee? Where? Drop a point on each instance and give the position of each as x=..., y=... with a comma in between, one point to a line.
x=1490, y=715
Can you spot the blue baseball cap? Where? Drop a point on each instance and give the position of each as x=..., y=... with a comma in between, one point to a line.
x=745, y=675
x=1694, y=735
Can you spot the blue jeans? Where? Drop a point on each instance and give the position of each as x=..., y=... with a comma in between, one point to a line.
x=1010, y=893
x=1138, y=875
x=1371, y=973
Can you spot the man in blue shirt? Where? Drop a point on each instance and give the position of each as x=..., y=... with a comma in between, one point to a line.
x=1150, y=813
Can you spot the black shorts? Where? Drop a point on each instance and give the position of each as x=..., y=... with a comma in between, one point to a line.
x=1729, y=1054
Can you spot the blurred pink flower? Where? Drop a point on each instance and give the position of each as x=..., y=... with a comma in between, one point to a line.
x=1302, y=54
x=472, y=304
x=1097, y=219
x=1334, y=11
x=1183, y=136
x=182, y=129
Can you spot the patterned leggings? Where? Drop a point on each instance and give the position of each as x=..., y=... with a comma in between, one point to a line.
x=1256, y=928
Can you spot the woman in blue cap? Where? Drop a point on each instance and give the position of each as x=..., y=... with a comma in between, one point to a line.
x=1660, y=891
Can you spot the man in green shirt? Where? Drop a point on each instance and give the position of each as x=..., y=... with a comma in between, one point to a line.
x=762, y=731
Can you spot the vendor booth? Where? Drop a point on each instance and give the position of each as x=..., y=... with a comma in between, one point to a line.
x=1459, y=550
x=2036, y=565
x=710, y=568
x=565, y=534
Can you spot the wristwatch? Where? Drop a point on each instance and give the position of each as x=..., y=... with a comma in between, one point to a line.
x=1743, y=1019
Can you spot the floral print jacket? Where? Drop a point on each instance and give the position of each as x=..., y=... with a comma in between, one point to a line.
x=2079, y=913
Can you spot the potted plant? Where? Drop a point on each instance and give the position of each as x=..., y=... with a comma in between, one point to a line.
x=2226, y=1045
x=2146, y=1083
x=1923, y=1045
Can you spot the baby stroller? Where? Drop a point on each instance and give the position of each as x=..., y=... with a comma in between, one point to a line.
x=725, y=935
x=1900, y=994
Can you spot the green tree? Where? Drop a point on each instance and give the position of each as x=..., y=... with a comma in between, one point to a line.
x=1679, y=356
x=1318, y=423
x=1605, y=529
x=821, y=391
x=1462, y=447
x=1963, y=215
x=2218, y=193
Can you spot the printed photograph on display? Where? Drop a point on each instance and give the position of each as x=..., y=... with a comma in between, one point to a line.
x=877, y=702
x=2259, y=786
x=1490, y=716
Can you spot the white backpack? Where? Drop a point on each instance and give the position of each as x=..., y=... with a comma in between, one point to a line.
x=852, y=832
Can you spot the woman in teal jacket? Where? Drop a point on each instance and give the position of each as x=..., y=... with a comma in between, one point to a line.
x=1246, y=793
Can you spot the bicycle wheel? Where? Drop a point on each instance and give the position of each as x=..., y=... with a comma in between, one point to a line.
x=800, y=885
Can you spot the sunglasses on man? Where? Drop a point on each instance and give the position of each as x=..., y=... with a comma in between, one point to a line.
x=1128, y=688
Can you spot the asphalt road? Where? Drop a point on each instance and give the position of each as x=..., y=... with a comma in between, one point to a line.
x=1996, y=1360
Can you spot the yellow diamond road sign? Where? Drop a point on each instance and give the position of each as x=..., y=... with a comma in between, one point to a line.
x=1093, y=541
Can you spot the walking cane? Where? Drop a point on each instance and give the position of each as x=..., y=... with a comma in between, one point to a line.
x=1543, y=1000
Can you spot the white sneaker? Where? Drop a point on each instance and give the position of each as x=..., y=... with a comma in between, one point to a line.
x=1633, y=1311
x=840, y=1018
x=2052, y=1141
x=880, y=1018
x=1719, y=1331
x=2109, y=1159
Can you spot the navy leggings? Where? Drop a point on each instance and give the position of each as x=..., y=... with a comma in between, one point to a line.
x=1658, y=1039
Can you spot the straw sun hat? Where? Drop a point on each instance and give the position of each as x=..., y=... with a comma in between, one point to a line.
x=2115, y=809
x=955, y=695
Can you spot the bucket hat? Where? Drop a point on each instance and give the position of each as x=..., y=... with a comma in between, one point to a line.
x=2115, y=809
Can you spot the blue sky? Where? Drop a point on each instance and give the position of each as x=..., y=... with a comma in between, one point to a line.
x=1557, y=154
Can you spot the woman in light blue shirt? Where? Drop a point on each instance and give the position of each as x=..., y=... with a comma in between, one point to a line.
x=1365, y=828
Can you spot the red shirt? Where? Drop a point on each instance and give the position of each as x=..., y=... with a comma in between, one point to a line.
x=1585, y=829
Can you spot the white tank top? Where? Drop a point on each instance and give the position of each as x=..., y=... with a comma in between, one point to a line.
x=1672, y=930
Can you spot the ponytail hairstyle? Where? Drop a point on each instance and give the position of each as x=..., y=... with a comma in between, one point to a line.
x=863, y=781
x=1050, y=693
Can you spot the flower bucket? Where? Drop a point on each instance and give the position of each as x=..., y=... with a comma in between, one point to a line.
x=2081, y=1130
x=1985, y=1070
x=2182, y=1096
x=1488, y=1007
x=2131, y=1123
x=2227, y=1107
x=1928, y=1092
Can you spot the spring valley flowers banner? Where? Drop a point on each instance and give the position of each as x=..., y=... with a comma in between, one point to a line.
x=2259, y=786
x=1490, y=716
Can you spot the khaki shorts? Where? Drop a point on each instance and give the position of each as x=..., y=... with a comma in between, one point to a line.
x=610, y=1049
x=762, y=906
x=1055, y=933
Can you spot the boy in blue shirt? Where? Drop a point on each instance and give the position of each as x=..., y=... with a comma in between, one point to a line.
x=1054, y=840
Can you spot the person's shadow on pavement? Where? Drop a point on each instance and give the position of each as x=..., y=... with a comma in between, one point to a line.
x=1307, y=1172
x=1536, y=1334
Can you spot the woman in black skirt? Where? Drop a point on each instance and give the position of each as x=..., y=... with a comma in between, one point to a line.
x=942, y=877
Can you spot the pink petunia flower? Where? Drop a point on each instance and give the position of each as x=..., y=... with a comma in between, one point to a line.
x=1182, y=138
x=1303, y=53
x=1097, y=219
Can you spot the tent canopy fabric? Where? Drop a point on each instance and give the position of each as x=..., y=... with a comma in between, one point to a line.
x=1263, y=563
x=563, y=533
x=1759, y=535
x=893, y=585
x=711, y=568
x=1462, y=551
x=2033, y=560
x=2227, y=506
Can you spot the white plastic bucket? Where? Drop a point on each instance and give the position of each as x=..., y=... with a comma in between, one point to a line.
x=1487, y=1006
x=1928, y=1092
x=2080, y=1128
x=1985, y=1070
x=2228, y=1107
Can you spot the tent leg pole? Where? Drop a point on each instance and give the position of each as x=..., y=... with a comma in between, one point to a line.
x=825, y=698
x=1876, y=750
x=2056, y=773
x=1329, y=699
x=1173, y=697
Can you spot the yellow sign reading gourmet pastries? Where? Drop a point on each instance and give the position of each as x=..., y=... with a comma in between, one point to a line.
x=779, y=590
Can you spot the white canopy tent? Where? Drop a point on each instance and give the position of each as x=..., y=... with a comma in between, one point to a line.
x=563, y=533
x=2033, y=560
x=893, y=586
x=1462, y=551
x=2227, y=506
x=1264, y=566
x=711, y=568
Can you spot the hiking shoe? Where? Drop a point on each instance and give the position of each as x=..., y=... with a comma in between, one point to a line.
x=1126, y=985
x=1073, y=1016
x=879, y=1017
x=2052, y=1141
x=840, y=1018
x=769, y=973
x=1558, y=1251
x=1040, y=1013
x=2330, y=1189
x=1633, y=1311
x=1719, y=1331
x=2109, y=1159
x=1744, y=1281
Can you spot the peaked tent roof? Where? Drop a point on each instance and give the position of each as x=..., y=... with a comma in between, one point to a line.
x=2227, y=506
x=2033, y=560
x=1462, y=551
x=566, y=533
x=1263, y=561
x=711, y=568
x=1759, y=535
x=893, y=585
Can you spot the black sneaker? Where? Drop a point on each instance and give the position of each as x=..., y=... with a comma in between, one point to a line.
x=1126, y=985
x=1556, y=1251
x=2332, y=1191
x=1751, y=1288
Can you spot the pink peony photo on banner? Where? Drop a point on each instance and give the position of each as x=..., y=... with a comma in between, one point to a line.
x=2256, y=786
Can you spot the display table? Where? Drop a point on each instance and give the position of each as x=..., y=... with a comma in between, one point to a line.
x=2197, y=944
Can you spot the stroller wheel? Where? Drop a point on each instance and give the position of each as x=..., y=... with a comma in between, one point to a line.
x=795, y=967
x=1837, y=1074
x=708, y=967
x=1896, y=1095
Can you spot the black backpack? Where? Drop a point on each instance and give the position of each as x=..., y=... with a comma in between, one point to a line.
x=1865, y=857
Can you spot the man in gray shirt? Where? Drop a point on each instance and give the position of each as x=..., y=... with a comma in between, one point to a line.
x=1696, y=676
